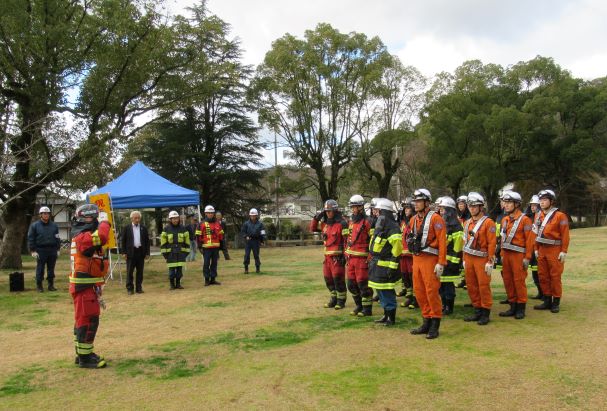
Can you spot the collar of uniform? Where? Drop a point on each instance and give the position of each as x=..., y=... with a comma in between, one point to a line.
x=478, y=217
x=515, y=214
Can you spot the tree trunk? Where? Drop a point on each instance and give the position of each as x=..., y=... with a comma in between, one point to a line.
x=17, y=217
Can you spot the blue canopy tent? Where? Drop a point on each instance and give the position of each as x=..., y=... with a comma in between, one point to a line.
x=140, y=187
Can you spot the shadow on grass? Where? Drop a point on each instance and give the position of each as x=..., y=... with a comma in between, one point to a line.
x=159, y=367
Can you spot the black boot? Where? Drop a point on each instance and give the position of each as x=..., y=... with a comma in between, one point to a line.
x=332, y=301
x=39, y=286
x=214, y=281
x=359, y=306
x=367, y=309
x=484, y=320
x=91, y=361
x=383, y=319
x=509, y=313
x=423, y=329
x=178, y=284
x=474, y=317
x=257, y=269
x=448, y=308
x=172, y=281
x=51, y=285
x=207, y=281
x=520, y=311
x=246, y=269
x=536, y=281
x=433, y=331
x=77, y=360
x=391, y=320
x=556, y=303
x=506, y=301
x=341, y=300
x=546, y=305
x=402, y=293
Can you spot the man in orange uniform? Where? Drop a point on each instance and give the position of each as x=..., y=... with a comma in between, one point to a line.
x=551, y=245
x=210, y=241
x=334, y=230
x=428, y=243
x=357, y=253
x=479, y=256
x=517, y=248
x=86, y=278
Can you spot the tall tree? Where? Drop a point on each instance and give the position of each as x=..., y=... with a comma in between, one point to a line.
x=313, y=93
x=208, y=141
x=74, y=76
x=399, y=97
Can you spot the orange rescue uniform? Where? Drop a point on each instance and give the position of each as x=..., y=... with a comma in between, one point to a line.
x=517, y=244
x=549, y=243
x=426, y=285
x=478, y=251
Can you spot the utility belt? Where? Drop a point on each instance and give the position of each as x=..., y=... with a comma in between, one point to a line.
x=475, y=252
x=512, y=247
x=547, y=241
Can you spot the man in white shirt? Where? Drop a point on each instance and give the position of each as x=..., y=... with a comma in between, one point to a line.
x=135, y=247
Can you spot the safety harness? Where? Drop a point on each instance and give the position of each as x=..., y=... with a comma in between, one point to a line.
x=471, y=241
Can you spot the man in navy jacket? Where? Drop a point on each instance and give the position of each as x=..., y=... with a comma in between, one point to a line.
x=44, y=243
x=254, y=235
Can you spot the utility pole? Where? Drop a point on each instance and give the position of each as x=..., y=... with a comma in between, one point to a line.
x=276, y=184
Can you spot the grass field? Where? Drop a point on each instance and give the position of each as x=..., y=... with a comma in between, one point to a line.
x=265, y=342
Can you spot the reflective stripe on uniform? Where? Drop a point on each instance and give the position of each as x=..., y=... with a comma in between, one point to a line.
x=390, y=264
x=470, y=241
x=507, y=242
x=384, y=286
x=540, y=231
x=449, y=278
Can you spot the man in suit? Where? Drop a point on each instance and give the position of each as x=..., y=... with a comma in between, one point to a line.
x=135, y=247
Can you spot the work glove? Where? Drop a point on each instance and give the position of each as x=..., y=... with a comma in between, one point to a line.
x=58, y=253
x=35, y=255
x=464, y=265
x=102, y=216
x=489, y=268
x=562, y=257
x=525, y=264
x=537, y=253
x=319, y=215
x=438, y=270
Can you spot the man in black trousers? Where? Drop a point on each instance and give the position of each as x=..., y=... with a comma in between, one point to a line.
x=135, y=247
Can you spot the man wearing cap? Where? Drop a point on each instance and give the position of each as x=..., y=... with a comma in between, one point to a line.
x=175, y=247
x=517, y=247
x=551, y=245
x=44, y=243
x=254, y=235
x=428, y=242
x=479, y=257
x=210, y=237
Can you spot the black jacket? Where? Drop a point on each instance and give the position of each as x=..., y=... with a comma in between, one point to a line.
x=126, y=240
x=42, y=235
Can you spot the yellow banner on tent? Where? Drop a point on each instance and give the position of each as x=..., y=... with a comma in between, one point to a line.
x=104, y=203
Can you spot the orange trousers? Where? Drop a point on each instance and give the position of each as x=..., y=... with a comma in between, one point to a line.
x=514, y=276
x=550, y=270
x=478, y=282
x=426, y=285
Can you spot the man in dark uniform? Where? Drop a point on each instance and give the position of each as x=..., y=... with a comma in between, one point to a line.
x=44, y=243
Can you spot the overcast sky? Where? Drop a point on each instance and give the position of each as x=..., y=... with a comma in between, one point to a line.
x=435, y=35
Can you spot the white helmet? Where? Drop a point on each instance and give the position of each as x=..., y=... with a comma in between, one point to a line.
x=356, y=200
x=512, y=196
x=44, y=209
x=422, y=194
x=475, y=198
x=547, y=193
x=447, y=202
x=373, y=203
x=504, y=193
x=384, y=204
x=173, y=214
x=534, y=199
x=209, y=209
x=253, y=211
x=462, y=199
x=438, y=200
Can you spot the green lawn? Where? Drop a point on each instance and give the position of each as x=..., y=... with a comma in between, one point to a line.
x=265, y=342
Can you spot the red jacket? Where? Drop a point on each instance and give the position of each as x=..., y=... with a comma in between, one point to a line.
x=209, y=234
x=404, y=227
x=359, y=234
x=88, y=258
x=334, y=235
